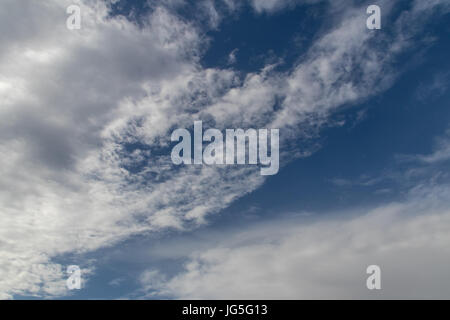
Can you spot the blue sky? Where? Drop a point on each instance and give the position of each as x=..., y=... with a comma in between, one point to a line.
x=365, y=148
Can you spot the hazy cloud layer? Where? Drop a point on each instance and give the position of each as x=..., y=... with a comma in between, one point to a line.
x=294, y=259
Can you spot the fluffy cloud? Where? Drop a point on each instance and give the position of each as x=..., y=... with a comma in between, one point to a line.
x=58, y=89
x=86, y=116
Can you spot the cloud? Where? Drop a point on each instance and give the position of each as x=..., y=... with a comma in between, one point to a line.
x=63, y=87
x=86, y=116
x=270, y=6
x=440, y=153
x=295, y=259
x=232, y=56
x=436, y=88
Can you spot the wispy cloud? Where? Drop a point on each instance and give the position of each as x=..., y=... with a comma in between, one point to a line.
x=440, y=153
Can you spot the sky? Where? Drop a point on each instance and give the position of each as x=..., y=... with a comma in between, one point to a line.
x=86, y=176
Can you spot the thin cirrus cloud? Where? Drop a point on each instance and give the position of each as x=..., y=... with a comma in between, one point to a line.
x=83, y=113
x=440, y=154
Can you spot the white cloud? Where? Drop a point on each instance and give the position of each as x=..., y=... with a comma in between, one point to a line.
x=295, y=259
x=66, y=87
x=440, y=153
x=269, y=6
x=232, y=56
